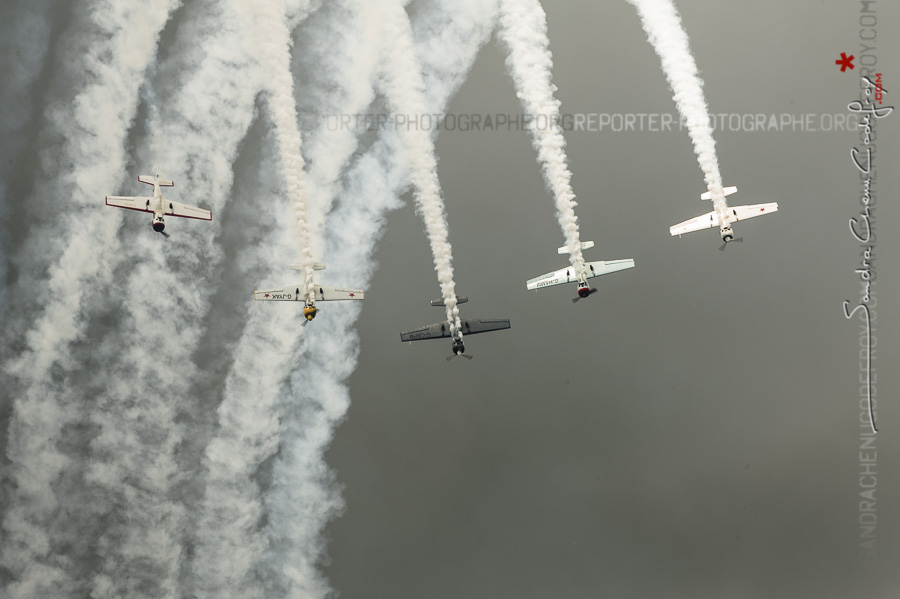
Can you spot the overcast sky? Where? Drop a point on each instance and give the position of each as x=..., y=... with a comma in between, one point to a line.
x=693, y=429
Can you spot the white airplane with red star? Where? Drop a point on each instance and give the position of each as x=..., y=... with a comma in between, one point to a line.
x=317, y=293
x=731, y=215
x=157, y=205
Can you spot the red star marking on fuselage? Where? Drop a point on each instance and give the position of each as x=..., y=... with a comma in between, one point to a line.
x=845, y=61
x=267, y=295
x=352, y=295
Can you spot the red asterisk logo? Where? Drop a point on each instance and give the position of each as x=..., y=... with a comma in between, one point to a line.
x=845, y=61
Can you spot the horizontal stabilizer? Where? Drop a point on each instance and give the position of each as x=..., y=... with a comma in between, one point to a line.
x=461, y=299
x=316, y=266
x=708, y=195
x=150, y=180
x=585, y=245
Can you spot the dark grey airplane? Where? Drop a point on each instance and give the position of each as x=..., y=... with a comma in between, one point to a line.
x=470, y=326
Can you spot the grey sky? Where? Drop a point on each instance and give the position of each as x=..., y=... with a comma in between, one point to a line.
x=692, y=429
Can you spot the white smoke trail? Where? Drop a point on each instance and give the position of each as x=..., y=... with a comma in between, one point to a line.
x=67, y=255
x=230, y=543
x=136, y=403
x=523, y=28
x=143, y=464
x=345, y=49
x=303, y=496
x=404, y=88
x=268, y=30
x=664, y=30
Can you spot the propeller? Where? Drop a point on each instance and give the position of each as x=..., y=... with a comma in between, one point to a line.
x=164, y=234
x=576, y=298
x=736, y=239
x=466, y=356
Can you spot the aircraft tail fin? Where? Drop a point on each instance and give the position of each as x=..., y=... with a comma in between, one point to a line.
x=584, y=245
x=150, y=180
x=708, y=195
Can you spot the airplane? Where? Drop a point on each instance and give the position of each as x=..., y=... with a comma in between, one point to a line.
x=732, y=215
x=571, y=274
x=321, y=293
x=157, y=205
x=470, y=326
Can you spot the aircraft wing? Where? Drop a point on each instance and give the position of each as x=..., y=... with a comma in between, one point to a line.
x=705, y=221
x=745, y=212
x=141, y=204
x=711, y=219
x=325, y=294
x=431, y=331
x=604, y=267
x=557, y=277
x=470, y=326
x=178, y=209
x=286, y=294
x=568, y=275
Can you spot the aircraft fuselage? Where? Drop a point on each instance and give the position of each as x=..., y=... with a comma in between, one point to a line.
x=158, y=222
x=727, y=233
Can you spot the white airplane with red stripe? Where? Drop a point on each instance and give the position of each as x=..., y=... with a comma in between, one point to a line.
x=731, y=215
x=157, y=205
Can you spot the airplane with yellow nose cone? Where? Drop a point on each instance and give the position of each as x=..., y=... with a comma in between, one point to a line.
x=317, y=293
